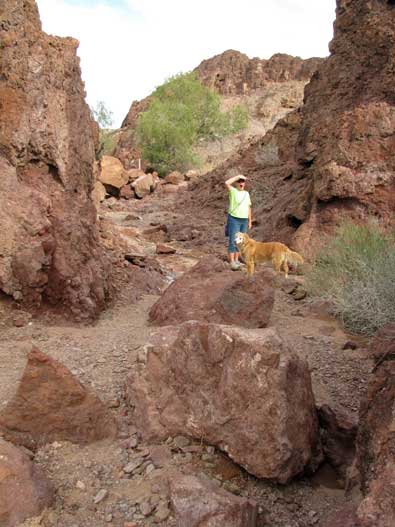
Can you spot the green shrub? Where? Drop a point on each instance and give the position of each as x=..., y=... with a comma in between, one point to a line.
x=107, y=141
x=356, y=272
x=183, y=111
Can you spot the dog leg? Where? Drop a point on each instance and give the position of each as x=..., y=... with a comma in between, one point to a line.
x=250, y=269
x=277, y=265
x=286, y=268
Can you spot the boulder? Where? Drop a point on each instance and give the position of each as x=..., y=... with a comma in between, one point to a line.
x=112, y=173
x=127, y=192
x=49, y=241
x=240, y=389
x=173, y=189
x=51, y=404
x=144, y=185
x=198, y=502
x=175, y=178
x=162, y=248
x=211, y=292
x=98, y=193
x=134, y=173
x=24, y=490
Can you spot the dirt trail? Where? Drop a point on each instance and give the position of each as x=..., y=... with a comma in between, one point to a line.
x=100, y=356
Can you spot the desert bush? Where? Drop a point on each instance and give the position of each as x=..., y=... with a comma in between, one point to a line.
x=183, y=111
x=355, y=272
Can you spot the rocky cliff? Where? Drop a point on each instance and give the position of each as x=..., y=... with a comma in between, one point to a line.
x=346, y=140
x=49, y=249
x=233, y=73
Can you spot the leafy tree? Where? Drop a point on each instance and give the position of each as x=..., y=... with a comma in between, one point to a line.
x=104, y=118
x=183, y=111
x=102, y=115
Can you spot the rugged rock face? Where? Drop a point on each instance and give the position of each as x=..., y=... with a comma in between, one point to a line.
x=211, y=292
x=49, y=248
x=376, y=444
x=198, y=502
x=24, y=490
x=338, y=434
x=346, y=140
x=233, y=73
x=240, y=389
x=51, y=404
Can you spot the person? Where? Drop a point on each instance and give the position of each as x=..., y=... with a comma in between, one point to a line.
x=239, y=215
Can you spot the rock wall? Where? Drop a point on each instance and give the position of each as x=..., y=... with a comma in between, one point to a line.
x=49, y=248
x=233, y=73
x=346, y=141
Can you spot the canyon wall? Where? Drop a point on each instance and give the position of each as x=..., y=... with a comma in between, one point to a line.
x=49, y=246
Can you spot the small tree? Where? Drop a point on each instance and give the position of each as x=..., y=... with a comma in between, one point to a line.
x=183, y=111
x=102, y=115
x=104, y=118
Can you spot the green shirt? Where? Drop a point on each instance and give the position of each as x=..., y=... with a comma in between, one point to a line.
x=239, y=203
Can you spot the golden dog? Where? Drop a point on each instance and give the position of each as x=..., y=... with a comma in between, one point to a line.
x=254, y=252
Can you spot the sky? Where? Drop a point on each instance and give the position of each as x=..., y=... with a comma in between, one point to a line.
x=128, y=47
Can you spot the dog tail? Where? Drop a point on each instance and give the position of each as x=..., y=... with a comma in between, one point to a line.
x=293, y=257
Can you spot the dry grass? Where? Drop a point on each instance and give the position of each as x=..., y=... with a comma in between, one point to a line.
x=356, y=272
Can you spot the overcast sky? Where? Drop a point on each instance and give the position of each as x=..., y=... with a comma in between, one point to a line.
x=128, y=47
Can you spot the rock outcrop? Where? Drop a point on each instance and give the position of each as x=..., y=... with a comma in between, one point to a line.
x=375, y=457
x=237, y=388
x=51, y=404
x=49, y=248
x=24, y=490
x=346, y=141
x=233, y=73
x=198, y=502
x=211, y=292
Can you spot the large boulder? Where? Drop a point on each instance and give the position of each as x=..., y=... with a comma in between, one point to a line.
x=24, y=490
x=144, y=185
x=198, y=502
x=51, y=404
x=49, y=242
x=112, y=174
x=239, y=389
x=211, y=292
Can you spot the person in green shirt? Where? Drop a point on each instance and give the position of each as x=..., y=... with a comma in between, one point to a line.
x=239, y=215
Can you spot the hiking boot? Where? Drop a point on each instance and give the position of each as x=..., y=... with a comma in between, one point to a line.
x=235, y=266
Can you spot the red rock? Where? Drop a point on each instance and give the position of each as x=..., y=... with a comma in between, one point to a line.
x=51, y=404
x=233, y=73
x=376, y=444
x=197, y=501
x=49, y=244
x=162, y=248
x=126, y=192
x=175, y=178
x=24, y=490
x=240, y=389
x=338, y=435
x=211, y=292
